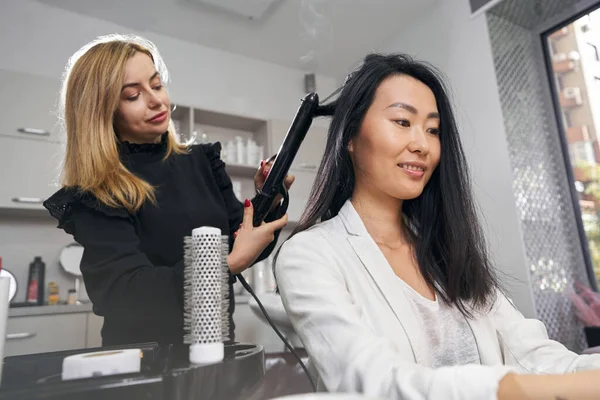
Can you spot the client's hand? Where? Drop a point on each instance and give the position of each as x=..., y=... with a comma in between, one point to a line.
x=261, y=176
x=250, y=241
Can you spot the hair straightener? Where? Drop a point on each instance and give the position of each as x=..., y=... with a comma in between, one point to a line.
x=273, y=186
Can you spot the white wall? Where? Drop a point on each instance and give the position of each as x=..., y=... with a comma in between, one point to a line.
x=38, y=39
x=457, y=44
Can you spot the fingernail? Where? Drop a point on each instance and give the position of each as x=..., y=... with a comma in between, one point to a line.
x=262, y=163
x=247, y=203
x=265, y=173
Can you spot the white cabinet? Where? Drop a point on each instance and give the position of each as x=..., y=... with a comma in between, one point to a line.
x=93, y=337
x=30, y=170
x=44, y=333
x=28, y=105
x=30, y=149
x=52, y=332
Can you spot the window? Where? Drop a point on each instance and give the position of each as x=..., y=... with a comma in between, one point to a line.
x=582, y=153
x=585, y=167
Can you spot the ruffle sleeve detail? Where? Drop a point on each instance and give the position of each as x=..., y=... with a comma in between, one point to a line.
x=61, y=205
x=213, y=154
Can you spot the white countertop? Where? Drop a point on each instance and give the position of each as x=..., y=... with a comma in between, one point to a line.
x=49, y=310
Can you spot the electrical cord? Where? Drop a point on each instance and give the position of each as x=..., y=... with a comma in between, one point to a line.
x=287, y=345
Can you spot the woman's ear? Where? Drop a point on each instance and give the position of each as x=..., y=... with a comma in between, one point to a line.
x=350, y=146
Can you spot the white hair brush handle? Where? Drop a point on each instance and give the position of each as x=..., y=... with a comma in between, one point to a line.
x=206, y=294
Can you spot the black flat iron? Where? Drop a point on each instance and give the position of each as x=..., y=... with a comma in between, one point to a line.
x=273, y=186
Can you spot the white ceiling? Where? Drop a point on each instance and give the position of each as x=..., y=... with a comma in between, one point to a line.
x=323, y=36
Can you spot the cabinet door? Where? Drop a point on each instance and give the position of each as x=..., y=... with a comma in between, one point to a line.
x=28, y=103
x=310, y=152
x=93, y=330
x=30, y=171
x=44, y=333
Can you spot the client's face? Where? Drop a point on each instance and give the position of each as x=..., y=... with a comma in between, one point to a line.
x=398, y=147
x=144, y=106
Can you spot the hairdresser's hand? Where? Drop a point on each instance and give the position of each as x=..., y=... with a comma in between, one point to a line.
x=261, y=176
x=250, y=241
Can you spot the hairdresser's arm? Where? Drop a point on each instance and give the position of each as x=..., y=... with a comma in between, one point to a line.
x=119, y=278
x=235, y=209
x=348, y=354
x=525, y=344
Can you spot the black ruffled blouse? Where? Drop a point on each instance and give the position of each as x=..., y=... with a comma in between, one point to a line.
x=132, y=264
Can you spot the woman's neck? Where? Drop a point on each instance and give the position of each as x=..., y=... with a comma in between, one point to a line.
x=133, y=139
x=381, y=214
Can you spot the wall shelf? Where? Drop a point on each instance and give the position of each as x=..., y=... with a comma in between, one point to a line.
x=242, y=171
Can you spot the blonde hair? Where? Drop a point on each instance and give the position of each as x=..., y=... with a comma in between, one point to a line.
x=89, y=99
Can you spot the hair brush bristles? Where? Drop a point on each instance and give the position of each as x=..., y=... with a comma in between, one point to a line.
x=206, y=288
x=188, y=257
x=225, y=288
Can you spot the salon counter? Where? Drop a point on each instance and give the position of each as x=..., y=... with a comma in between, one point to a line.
x=25, y=311
x=165, y=374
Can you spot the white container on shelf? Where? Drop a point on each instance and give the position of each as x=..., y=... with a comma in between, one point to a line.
x=231, y=152
x=252, y=153
x=241, y=150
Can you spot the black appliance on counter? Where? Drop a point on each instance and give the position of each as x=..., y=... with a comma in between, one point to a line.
x=166, y=375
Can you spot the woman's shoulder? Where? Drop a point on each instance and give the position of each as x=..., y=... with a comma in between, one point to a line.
x=67, y=199
x=211, y=153
x=319, y=236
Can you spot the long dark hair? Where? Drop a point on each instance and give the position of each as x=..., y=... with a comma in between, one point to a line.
x=442, y=222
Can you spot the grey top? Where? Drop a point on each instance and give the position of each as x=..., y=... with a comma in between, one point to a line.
x=445, y=331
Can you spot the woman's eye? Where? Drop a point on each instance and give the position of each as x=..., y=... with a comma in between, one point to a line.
x=403, y=122
x=434, y=131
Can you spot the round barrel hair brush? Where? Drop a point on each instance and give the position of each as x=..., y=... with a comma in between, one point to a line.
x=206, y=294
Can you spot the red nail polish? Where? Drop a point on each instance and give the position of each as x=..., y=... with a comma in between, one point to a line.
x=262, y=163
x=265, y=173
x=247, y=203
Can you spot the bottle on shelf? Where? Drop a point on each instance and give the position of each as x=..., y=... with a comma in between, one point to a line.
x=35, y=283
x=241, y=150
x=231, y=153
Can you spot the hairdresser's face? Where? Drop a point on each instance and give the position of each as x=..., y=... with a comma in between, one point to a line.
x=144, y=106
x=398, y=147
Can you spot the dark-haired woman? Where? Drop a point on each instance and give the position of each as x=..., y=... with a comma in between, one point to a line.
x=386, y=279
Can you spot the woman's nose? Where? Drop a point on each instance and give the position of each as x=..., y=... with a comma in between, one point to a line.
x=154, y=100
x=418, y=142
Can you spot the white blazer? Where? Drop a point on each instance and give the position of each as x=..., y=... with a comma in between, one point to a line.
x=362, y=335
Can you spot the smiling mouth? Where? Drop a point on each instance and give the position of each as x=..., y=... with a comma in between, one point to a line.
x=411, y=167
